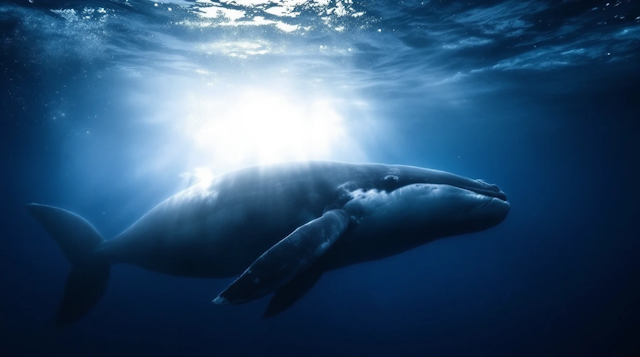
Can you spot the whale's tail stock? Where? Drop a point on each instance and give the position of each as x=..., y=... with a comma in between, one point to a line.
x=89, y=274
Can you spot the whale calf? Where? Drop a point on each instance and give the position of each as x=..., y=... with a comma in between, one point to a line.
x=277, y=228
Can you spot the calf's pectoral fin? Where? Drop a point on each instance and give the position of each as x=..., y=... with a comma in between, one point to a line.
x=287, y=259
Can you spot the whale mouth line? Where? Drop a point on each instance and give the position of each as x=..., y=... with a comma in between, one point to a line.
x=494, y=204
x=488, y=192
x=491, y=191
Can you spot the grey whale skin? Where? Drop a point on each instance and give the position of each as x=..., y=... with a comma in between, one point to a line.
x=278, y=227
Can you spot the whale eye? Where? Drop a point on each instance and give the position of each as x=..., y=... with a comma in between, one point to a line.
x=391, y=179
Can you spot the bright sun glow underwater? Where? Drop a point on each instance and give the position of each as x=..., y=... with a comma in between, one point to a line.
x=263, y=127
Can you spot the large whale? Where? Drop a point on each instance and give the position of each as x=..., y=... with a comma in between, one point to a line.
x=277, y=227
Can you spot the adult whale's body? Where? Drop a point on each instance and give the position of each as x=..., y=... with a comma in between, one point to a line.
x=279, y=227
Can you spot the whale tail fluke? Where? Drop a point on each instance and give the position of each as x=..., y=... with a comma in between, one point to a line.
x=89, y=274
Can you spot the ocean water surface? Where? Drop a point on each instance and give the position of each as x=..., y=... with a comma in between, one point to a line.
x=107, y=107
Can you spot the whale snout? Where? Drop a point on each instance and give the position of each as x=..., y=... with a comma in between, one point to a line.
x=487, y=189
x=495, y=210
x=474, y=208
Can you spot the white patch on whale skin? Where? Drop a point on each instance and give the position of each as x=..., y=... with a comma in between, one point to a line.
x=323, y=248
x=363, y=203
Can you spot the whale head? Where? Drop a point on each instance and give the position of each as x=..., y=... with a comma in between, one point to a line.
x=445, y=210
x=413, y=206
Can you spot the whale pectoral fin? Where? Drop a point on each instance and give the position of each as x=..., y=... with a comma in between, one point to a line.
x=287, y=259
x=294, y=290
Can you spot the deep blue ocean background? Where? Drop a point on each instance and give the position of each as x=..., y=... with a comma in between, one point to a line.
x=107, y=107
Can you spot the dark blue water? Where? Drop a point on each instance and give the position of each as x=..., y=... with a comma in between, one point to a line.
x=108, y=107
